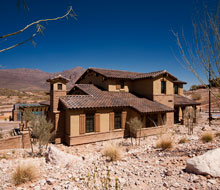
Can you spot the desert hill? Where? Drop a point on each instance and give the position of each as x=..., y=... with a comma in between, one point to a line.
x=34, y=79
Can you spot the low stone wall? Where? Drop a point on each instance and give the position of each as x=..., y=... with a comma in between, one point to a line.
x=94, y=137
x=151, y=131
x=21, y=141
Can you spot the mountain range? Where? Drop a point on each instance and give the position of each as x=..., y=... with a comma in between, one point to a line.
x=34, y=79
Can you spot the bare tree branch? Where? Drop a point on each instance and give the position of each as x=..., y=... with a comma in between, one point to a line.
x=69, y=12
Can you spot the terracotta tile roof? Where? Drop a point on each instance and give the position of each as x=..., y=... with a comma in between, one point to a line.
x=59, y=77
x=179, y=81
x=97, y=98
x=181, y=100
x=126, y=74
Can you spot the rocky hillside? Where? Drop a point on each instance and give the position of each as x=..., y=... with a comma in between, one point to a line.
x=202, y=96
x=33, y=79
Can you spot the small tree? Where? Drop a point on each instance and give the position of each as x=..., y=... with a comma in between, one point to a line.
x=42, y=131
x=28, y=116
x=189, y=116
x=135, y=125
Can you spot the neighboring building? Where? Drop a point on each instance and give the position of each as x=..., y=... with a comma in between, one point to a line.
x=102, y=101
x=37, y=109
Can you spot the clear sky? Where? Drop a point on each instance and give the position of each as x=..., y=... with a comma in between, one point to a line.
x=133, y=35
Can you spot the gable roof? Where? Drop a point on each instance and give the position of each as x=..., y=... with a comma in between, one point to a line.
x=108, y=73
x=97, y=98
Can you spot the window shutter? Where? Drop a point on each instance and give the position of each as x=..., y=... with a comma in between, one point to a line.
x=97, y=122
x=118, y=87
x=111, y=121
x=123, y=119
x=82, y=123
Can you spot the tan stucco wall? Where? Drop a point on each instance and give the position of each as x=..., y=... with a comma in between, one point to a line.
x=143, y=87
x=55, y=86
x=112, y=87
x=95, y=79
x=157, y=85
x=180, y=89
x=167, y=100
x=104, y=122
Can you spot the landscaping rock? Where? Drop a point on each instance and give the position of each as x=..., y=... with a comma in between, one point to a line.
x=58, y=157
x=206, y=164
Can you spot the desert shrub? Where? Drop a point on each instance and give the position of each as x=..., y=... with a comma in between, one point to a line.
x=100, y=181
x=25, y=172
x=217, y=134
x=207, y=137
x=183, y=140
x=193, y=87
x=164, y=143
x=42, y=130
x=196, y=96
x=112, y=152
x=135, y=125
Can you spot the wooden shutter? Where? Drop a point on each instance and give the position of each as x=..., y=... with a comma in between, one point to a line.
x=97, y=122
x=118, y=87
x=111, y=121
x=123, y=119
x=82, y=123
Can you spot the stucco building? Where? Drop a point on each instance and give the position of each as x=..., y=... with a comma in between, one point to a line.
x=102, y=101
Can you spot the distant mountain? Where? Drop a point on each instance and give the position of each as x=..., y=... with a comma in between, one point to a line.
x=34, y=79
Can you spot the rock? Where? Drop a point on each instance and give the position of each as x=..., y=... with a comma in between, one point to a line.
x=60, y=158
x=206, y=164
x=37, y=188
x=50, y=181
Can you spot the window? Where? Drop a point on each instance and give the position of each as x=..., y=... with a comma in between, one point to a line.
x=175, y=88
x=59, y=86
x=117, y=120
x=152, y=120
x=90, y=123
x=163, y=87
x=122, y=84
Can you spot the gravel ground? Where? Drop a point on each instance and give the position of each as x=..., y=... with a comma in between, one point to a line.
x=142, y=167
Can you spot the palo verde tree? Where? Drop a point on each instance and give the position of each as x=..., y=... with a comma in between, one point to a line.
x=201, y=53
x=39, y=28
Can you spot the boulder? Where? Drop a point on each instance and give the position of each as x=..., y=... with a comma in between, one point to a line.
x=58, y=157
x=206, y=164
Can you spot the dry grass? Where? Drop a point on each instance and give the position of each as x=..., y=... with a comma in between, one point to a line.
x=217, y=134
x=183, y=140
x=207, y=137
x=112, y=151
x=164, y=143
x=25, y=172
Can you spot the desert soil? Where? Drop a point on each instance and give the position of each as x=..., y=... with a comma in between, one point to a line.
x=142, y=167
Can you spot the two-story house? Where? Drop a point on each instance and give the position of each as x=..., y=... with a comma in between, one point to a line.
x=102, y=101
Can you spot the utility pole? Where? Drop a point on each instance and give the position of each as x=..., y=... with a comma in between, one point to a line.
x=210, y=115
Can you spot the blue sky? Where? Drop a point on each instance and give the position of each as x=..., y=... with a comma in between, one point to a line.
x=133, y=35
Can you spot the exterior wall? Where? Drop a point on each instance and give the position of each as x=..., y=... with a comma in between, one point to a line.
x=95, y=79
x=166, y=99
x=104, y=118
x=143, y=87
x=180, y=89
x=16, y=142
x=55, y=86
x=157, y=85
x=94, y=137
x=54, y=99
